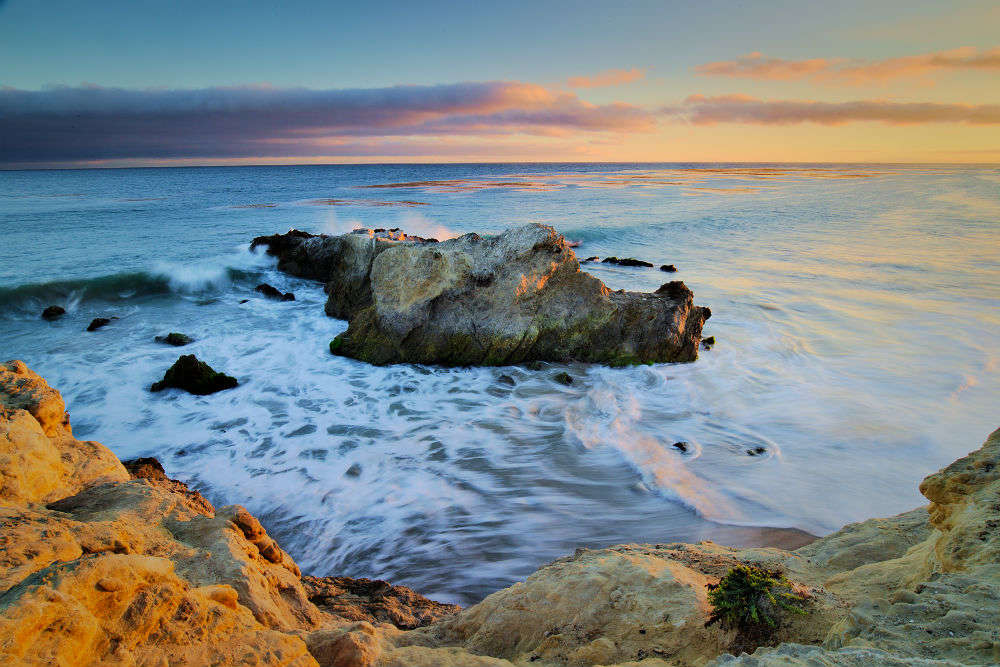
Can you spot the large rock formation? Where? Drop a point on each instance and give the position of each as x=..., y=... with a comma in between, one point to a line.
x=112, y=565
x=473, y=300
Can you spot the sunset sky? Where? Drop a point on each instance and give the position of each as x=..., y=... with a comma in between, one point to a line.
x=121, y=83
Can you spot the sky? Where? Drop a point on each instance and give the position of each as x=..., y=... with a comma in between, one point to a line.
x=136, y=82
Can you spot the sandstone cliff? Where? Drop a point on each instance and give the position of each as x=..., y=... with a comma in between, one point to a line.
x=512, y=298
x=103, y=565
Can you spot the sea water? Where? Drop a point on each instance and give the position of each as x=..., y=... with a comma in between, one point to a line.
x=855, y=309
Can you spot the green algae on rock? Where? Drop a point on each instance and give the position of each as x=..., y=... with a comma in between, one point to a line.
x=194, y=377
x=485, y=301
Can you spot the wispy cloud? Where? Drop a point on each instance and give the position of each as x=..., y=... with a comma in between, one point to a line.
x=611, y=77
x=93, y=123
x=850, y=71
x=702, y=110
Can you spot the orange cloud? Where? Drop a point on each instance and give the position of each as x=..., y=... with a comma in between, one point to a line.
x=855, y=72
x=611, y=77
x=702, y=110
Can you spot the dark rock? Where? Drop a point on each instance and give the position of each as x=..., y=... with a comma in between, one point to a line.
x=53, y=313
x=273, y=292
x=756, y=451
x=507, y=380
x=595, y=258
x=534, y=365
x=150, y=469
x=682, y=446
x=708, y=343
x=145, y=467
x=563, y=378
x=669, y=268
x=175, y=339
x=374, y=601
x=244, y=300
x=99, y=322
x=195, y=377
x=353, y=471
x=501, y=300
x=625, y=261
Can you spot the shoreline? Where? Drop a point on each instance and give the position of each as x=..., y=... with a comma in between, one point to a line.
x=88, y=540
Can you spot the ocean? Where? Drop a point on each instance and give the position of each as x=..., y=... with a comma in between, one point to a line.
x=856, y=310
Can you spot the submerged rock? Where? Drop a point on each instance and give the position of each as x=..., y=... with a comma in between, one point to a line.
x=669, y=268
x=708, y=343
x=99, y=322
x=195, y=377
x=626, y=261
x=175, y=339
x=508, y=299
x=53, y=313
x=272, y=292
x=563, y=378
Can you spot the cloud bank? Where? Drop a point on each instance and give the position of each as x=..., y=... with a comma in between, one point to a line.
x=855, y=72
x=611, y=77
x=702, y=110
x=89, y=122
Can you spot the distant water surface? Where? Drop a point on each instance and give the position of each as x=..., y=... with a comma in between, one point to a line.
x=855, y=309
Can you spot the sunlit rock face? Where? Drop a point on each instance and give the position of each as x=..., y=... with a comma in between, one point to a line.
x=473, y=300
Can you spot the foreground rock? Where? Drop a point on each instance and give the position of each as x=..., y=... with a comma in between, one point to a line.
x=194, y=377
x=513, y=298
x=112, y=565
x=100, y=566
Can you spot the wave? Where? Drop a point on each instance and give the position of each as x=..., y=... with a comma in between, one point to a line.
x=163, y=278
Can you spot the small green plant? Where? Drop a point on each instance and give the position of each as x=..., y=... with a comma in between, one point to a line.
x=751, y=599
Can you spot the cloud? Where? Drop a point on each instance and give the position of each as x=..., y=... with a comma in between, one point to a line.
x=89, y=122
x=702, y=110
x=854, y=72
x=611, y=77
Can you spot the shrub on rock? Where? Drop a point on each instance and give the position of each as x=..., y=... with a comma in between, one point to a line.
x=194, y=377
x=752, y=599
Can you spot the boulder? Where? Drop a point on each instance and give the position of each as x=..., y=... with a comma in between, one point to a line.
x=194, y=377
x=99, y=322
x=669, y=268
x=473, y=300
x=272, y=292
x=175, y=339
x=53, y=313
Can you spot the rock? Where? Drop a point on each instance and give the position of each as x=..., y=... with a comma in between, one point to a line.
x=353, y=471
x=375, y=601
x=273, y=293
x=625, y=261
x=681, y=446
x=593, y=258
x=40, y=460
x=507, y=380
x=563, y=378
x=244, y=301
x=708, y=343
x=53, y=313
x=195, y=377
x=99, y=322
x=175, y=339
x=756, y=451
x=669, y=268
x=516, y=297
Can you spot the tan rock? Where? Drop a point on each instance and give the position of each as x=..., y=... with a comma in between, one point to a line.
x=70, y=614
